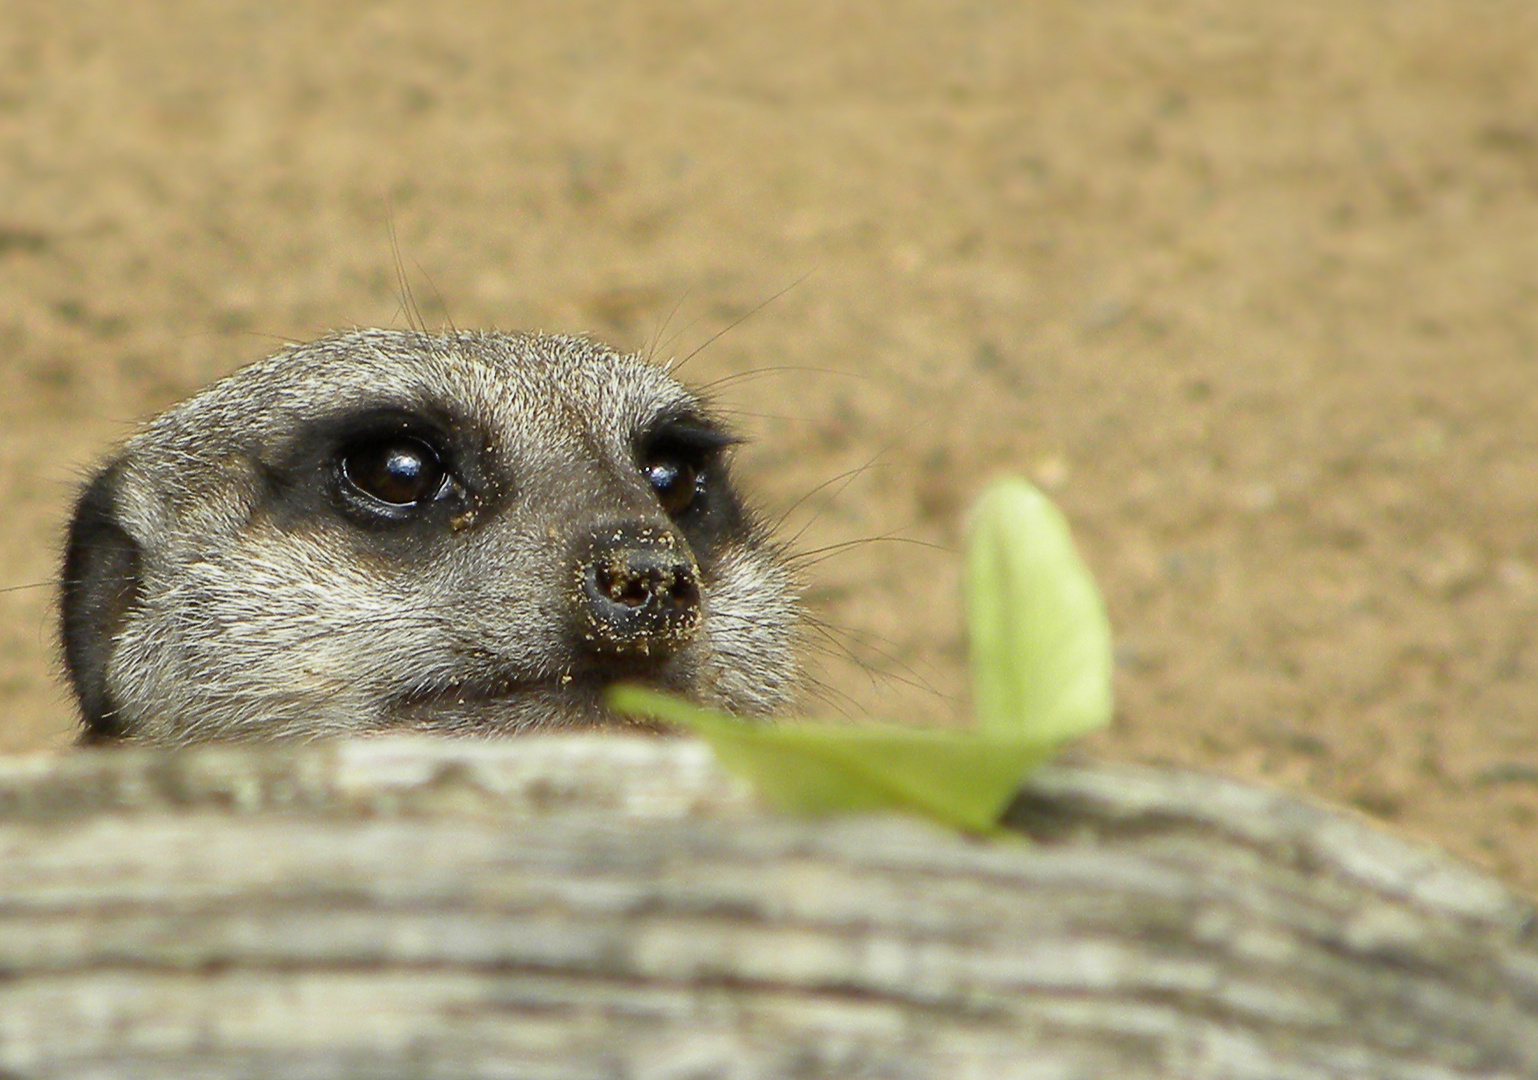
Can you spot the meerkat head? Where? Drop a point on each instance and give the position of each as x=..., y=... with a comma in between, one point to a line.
x=466, y=532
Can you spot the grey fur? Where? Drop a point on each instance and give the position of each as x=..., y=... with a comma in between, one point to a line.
x=243, y=603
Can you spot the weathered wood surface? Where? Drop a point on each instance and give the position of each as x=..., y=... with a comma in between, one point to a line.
x=610, y=906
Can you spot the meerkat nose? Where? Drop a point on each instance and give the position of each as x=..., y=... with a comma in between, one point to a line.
x=638, y=591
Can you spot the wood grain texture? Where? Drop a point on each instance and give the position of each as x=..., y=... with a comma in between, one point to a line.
x=580, y=906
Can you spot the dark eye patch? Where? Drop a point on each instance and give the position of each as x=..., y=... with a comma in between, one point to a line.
x=679, y=458
x=381, y=468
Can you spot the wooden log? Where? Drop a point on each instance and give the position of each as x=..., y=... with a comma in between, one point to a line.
x=594, y=906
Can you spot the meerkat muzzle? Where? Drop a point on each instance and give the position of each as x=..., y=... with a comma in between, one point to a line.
x=638, y=590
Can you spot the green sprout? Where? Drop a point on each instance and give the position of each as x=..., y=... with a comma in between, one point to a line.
x=1041, y=675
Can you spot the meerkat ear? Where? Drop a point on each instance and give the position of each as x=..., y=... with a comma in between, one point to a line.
x=101, y=585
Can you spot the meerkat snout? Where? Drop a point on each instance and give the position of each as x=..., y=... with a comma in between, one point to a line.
x=639, y=591
x=470, y=532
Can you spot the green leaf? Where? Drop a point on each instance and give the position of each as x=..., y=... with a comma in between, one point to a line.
x=1040, y=641
x=1041, y=658
x=958, y=778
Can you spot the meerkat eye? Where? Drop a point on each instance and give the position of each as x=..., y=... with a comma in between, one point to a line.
x=676, y=481
x=397, y=470
x=678, y=456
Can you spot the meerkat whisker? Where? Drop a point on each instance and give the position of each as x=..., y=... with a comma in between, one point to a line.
x=673, y=368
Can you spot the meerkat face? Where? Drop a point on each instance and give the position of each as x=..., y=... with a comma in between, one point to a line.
x=467, y=532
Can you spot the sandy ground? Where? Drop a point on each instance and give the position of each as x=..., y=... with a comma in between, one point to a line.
x=1248, y=286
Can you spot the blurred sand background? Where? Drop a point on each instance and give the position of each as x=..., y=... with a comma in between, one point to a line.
x=1248, y=286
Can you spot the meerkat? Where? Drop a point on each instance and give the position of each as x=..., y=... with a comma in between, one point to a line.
x=460, y=532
